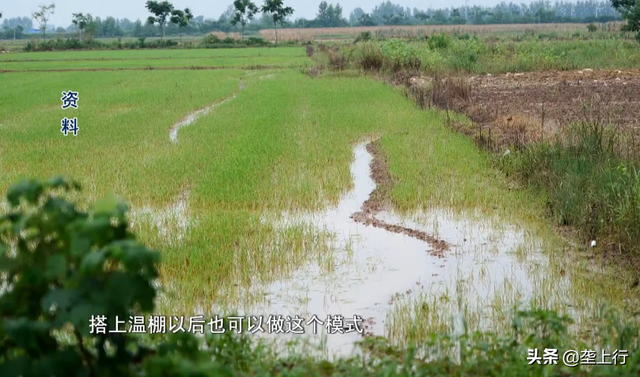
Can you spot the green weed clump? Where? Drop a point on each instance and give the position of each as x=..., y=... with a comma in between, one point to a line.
x=478, y=55
x=337, y=61
x=439, y=41
x=589, y=186
x=370, y=57
x=363, y=37
x=400, y=55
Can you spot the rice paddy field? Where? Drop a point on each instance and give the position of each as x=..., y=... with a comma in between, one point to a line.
x=268, y=191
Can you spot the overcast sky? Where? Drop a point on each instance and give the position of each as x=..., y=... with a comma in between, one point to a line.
x=133, y=9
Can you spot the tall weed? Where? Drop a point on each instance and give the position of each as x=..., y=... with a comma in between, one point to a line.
x=589, y=186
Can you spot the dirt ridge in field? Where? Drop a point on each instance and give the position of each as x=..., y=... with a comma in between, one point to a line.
x=138, y=58
x=196, y=68
x=377, y=202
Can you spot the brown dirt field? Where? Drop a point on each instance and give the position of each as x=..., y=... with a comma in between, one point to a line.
x=513, y=106
x=378, y=202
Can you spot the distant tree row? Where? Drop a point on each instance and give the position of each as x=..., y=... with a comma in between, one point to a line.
x=163, y=14
x=388, y=13
x=245, y=16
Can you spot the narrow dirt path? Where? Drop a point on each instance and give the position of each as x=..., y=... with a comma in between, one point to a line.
x=377, y=202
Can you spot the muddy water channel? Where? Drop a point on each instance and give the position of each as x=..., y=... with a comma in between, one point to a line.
x=384, y=267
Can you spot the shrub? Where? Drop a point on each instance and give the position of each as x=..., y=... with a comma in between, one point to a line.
x=439, y=41
x=211, y=39
x=592, y=27
x=62, y=266
x=337, y=61
x=401, y=55
x=309, y=50
x=255, y=41
x=588, y=185
x=371, y=58
x=314, y=71
x=364, y=36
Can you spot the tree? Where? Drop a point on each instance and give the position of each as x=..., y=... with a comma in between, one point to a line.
x=422, y=16
x=137, y=29
x=245, y=10
x=42, y=17
x=161, y=11
x=81, y=21
x=355, y=16
x=181, y=19
x=630, y=11
x=16, y=32
x=227, y=15
x=278, y=13
x=93, y=28
x=11, y=23
x=323, y=13
x=110, y=28
x=456, y=17
x=329, y=15
x=367, y=20
x=440, y=17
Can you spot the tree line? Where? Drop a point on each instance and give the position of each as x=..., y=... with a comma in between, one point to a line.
x=165, y=20
x=541, y=11
x=245, y=16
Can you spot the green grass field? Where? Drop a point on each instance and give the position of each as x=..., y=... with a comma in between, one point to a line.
x=283, y=143
x=158, y=54
x=152, y=59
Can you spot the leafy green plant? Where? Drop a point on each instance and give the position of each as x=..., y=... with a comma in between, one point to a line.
x=61, y=266
x=211, y=39
x=439, y=41
x=630, y=11
x=401, y=55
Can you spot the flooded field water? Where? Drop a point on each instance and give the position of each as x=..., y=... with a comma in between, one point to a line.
x=383, y=276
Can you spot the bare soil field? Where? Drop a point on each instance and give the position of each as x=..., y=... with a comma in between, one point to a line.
x=524, y=107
